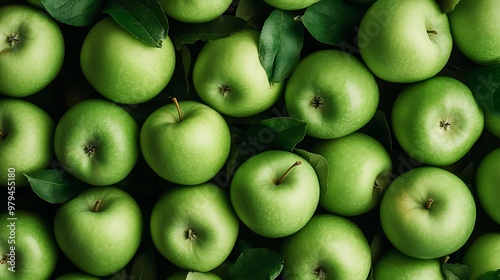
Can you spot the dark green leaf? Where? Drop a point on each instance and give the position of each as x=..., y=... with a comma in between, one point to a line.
x=456, y=271
x=54, y=186
x=144, y=19
x=144, y=266
x=490, y=275
x=332, y=22
x=320, y=165
x=257, y=263
x=280, y=44
x=189, y=33
x=484, y=82
x=288, y=132
x=447, y=6
x=74, y=12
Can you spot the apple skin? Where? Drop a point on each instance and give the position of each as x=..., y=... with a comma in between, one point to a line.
x=193, y=275
x=228, y=76
x=29, y=65
x=99, y=242
x=195, y=11
x=194, y=227
x=483, y=254
x=488, y=184
x=291, y=4
x=77, y=276
x=333, y=92
x=327, y=245
x=422, y=232
x=120, y=77
x=492, y=123
x=475, y=32
x=187, y=152
x=394, y=42
x=269, y=208
x=437, y=121
x=27, y=144
x=34, y=245
x=104, y=126
x=395, y=265
x=356, y=162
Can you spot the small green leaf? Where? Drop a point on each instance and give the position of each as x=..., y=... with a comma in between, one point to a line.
x=447, y=6
x=257, y=263
x=456, y=271
x=332, y=22
x=144, y=266
x=144, y=19
x=189, y=33
x=320, y=165
x=490, y=275
x=74, y=12
x=54, y=186
x=288, y=132
x=484, y=82
x=280, y=44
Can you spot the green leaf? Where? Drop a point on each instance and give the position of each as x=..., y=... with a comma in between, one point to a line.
x=54, y=186
x=280, y=44
x=144, y=19
x=490, y=275
x=189, y=33
x=484, y=82
x=144, y=266
x=257, y=263
x=254, y=12
x=288, y=132
x=74, y=12
x=332, y=22
x=447, y=6
x=320, y=165
x=456, y=271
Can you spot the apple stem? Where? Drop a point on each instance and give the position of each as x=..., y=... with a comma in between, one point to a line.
x=2, y=135
x=97, y=206
x=178, y=108
x=432, y=32
x=445, y=259
x=298, y=18
x=282, y=178
x=429, y=203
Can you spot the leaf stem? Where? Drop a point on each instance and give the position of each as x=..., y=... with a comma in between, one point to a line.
x=178, y=108
x=282, y=178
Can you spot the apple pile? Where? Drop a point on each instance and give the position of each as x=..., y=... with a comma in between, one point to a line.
x=250, y=139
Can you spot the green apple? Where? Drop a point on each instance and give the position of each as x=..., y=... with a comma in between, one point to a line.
x=97, y=142
x=195, y=11
x=100, y=230
x=427, y=212
x=333, y=92
x=26, y=141
x=492, y=123
x=193, y=275
x=405, y=41
x=185, y=142
x=359, y=172
x=327, y=247
x=475, y=32
x=31, y=50
x=291, y=4
x=275, y=193
x=123, y=68
x=395, y=265
x=437, y=121
x=228, y=76
x=194, y=227
x=483, y=254
x=27, y=246
x=488, y=184
x=77, y=276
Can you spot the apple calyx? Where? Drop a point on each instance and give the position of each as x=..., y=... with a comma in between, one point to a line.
x=191, y=234
x=97, y=206
x=224, y=90
x=90, y=150
x=378, y=186
x=432, y=32
x=317, y=102
x=320, y=273
x=444, y=124
x=3, y=260
x=429, y=203
x=179, y=112
x=13, y=39
x=282, y=178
